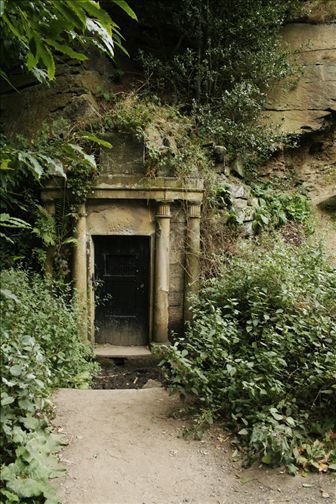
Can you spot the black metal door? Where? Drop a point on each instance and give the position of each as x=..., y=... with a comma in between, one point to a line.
x=121, y=289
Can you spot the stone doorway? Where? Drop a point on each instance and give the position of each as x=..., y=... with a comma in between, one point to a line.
x=121, y=289
x=164, y=212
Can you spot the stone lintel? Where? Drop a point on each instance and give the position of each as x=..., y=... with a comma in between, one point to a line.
x=135, y=187
x=126, y=194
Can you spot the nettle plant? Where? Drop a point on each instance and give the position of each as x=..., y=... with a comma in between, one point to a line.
x=260, y=355
x=41, y=350
x=277, y=208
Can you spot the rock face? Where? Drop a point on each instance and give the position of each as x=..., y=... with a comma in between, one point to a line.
x=72, y=96
x=312, y=101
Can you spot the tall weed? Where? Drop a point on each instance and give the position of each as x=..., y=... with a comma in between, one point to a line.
x=40, y=350
x=260, y=354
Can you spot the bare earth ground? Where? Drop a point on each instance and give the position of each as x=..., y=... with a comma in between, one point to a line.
x=124, y=449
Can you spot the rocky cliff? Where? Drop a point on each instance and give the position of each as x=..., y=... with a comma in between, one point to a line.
x=310, y=103
x=308, y=109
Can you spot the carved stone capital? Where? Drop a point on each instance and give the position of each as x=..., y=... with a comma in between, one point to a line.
x=163, y=210
x=194, y=211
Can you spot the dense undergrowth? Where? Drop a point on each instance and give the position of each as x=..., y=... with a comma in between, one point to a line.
x=40, y=350
x=260, y=355
x=217, y=60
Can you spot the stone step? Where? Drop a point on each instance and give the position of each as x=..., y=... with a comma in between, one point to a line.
x=122, y=352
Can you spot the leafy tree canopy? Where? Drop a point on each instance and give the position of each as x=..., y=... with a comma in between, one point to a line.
x=34, y=31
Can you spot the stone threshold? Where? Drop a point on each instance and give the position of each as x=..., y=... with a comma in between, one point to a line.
x=115, y=351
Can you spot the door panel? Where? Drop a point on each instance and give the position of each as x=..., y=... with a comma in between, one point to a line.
x=122, y=289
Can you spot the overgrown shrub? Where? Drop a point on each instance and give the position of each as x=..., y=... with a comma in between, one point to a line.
x=277, y=208
x=260, y=355
x=40, y=350
x=172, y=146
x=218, y=59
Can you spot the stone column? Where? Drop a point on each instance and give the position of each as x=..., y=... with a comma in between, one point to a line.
x=80, y=268
x=193, y=251
x=50, y=208
x=161, y=285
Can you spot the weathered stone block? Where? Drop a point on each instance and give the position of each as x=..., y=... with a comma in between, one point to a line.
x=125, y=157
x=305, y=106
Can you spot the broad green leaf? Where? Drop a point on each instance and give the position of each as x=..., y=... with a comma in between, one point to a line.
x=123, y=5
x=2, y=7
x=66, y=49
x=290, y=421
x=15, y=370
x=94, y=10
x=102, y=35
x=292, y=469
x=277, y=417
x=7, y=400
x=14, y=30
x=48, y=60
x=95, y=139
x=27, y=405
x=70, y=240
x=32, y=162
x=264, y=219
x=27, y=487
x=88, y=157
x=78, y=10
x=32, y=60
x=8, y=221
x=69, y=14
x=39, y=74
x=266, y=459
x=56, y=167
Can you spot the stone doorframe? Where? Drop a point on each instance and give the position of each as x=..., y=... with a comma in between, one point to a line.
x=163, y=191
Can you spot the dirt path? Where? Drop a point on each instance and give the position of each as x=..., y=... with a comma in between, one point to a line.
x=124, y=449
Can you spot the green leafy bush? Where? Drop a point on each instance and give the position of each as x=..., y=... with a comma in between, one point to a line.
x=171, y=144
x=35, y=32
x=277, y=208
x=260, y=354
x=40, y=350
x=218, y=60
x=53, y=321
x=26, y=165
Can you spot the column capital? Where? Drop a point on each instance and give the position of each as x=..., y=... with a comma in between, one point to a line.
x=194, y=210
x=163, y=210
